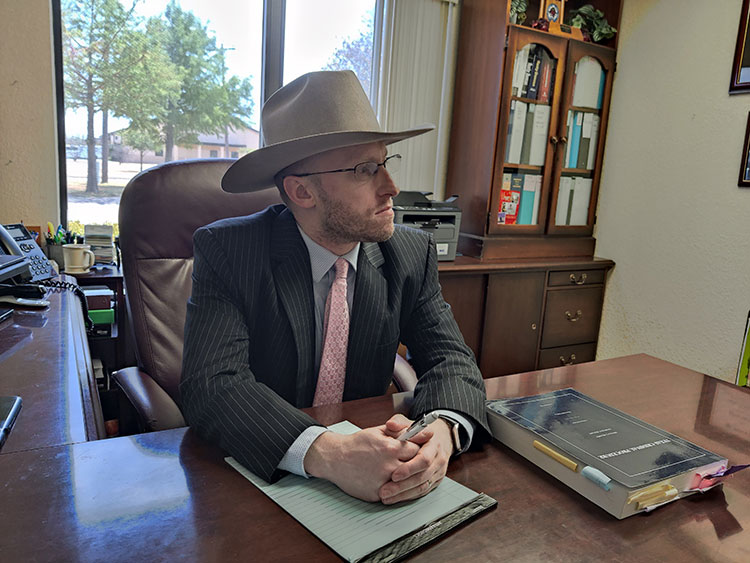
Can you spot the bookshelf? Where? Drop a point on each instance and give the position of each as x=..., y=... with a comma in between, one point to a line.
x=527, y=141
x=527, y=288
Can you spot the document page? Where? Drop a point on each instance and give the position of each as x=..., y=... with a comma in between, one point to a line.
x=352, y=527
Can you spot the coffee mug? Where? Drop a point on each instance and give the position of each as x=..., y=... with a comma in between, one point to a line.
x=78, y=258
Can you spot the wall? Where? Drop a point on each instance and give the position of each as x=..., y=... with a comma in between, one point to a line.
x=29, y=188
x=670, y=213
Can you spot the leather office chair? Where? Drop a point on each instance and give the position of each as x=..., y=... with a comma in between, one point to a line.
x=160, y=210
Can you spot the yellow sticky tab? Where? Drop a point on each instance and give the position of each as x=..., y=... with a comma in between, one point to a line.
x=645, y=496
x=558, y=457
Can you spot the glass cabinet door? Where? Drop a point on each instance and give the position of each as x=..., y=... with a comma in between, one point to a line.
x=580, y=138
x=529, y=112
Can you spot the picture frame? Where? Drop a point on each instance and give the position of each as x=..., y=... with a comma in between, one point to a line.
x=740, y=82
x=744, y=179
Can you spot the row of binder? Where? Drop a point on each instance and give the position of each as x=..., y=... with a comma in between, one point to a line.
x=528, y=125
x=520, y=195
x=573, y=198
x=519, y=199
x=533, y=73
x=583, y=134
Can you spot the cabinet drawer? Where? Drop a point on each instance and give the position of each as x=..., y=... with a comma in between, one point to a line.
x=566, y=355
x=576, y=277
x=572, y=316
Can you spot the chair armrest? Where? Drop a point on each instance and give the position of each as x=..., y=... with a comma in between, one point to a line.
x=156, y=409
x=404, y=376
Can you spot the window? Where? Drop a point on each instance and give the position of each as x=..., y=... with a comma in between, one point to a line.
x=153, y=103
x=311, y=43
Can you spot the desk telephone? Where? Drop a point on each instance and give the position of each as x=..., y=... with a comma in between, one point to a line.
x=21, y=256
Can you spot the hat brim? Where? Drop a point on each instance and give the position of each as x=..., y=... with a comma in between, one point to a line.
x=256, y=170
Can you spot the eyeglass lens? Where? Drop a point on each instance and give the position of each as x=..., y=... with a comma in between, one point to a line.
x=367, y=170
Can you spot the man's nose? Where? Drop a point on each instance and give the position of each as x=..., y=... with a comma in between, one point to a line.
x=387, y=186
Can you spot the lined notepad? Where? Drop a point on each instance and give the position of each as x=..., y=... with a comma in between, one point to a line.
x=352, y=527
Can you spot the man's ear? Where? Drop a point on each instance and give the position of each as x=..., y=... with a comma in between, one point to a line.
x=298, y=192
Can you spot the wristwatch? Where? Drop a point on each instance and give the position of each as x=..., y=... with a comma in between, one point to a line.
x=455, y=435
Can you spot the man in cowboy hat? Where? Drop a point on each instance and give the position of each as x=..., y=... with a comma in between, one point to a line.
x=305, y=304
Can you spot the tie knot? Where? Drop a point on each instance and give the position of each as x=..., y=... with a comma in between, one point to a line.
x=342, y=268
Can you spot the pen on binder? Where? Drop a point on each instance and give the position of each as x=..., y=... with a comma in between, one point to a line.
x=418, y=426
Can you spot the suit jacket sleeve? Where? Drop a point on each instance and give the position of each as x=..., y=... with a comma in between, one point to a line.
x=448, y=374
x=221, y=398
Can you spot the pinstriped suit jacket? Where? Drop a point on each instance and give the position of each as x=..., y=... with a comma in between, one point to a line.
x=249, y=347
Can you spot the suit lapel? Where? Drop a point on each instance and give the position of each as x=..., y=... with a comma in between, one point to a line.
x=294, y=285
x=368, y=310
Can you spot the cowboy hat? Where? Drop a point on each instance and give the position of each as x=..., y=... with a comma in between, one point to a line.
x=317, y=112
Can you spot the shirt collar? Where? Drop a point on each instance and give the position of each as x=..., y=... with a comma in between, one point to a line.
x=322, y=259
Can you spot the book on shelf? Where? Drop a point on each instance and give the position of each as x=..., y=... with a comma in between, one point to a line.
x=573, y=199
x=602, y=83
x=528, y=129
x=588, y=78
x=537, y=196
x=510, y=199
x=564, y=201
x=595, y=120
x=743, y=369
x=511, y=113
x=535, y=76
x=527, y=76
x=539, y=131
x=547, y=80
x=519, y=69
x=585, y=143
x=580, y=195
x=620, y=463
x=504, y=195
x=529, y=199
x=515, y=140
x=568, y=133
x=574, y=140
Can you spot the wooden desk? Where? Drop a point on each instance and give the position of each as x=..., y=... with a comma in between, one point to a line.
x=44, y=358
x=169, y=495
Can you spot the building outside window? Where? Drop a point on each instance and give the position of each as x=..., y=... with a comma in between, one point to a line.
x=153, y=81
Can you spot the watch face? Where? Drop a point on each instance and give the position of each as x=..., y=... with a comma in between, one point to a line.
x=553, y=12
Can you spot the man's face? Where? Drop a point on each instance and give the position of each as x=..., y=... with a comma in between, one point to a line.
x=348, y=211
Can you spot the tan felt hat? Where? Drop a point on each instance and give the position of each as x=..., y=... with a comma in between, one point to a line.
x=317, y=112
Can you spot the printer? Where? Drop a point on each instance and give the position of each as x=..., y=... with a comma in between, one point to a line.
x=440, y=218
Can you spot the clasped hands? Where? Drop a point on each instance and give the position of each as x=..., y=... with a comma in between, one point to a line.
x=374, y=465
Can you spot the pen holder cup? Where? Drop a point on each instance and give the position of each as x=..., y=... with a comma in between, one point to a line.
x=55, y=252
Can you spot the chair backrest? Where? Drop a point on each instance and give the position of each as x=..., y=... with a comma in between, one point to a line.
x=160, y=210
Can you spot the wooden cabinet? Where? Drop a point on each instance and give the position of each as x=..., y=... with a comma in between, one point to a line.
x=512, y=322
x=527, y=140
x=519, y=316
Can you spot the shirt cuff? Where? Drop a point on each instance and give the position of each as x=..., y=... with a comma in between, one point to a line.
x=466, y=424
x=294, y=458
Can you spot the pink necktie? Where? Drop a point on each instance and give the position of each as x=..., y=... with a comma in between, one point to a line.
x=332, y=372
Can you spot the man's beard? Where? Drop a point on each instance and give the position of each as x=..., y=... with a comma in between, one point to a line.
x=341, y=225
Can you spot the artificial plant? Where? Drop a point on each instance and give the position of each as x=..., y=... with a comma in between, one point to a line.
x=592, y=20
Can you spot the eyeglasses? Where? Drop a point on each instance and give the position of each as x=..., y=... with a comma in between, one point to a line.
x=365, y=171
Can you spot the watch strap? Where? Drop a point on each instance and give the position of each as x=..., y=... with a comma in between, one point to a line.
x=455, y=432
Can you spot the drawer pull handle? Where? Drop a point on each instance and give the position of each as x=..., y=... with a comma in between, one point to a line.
x=578, y=281
x=573, y=318
x=570, y=361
